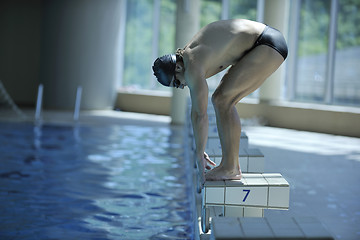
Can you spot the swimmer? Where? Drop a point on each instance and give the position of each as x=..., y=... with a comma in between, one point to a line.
x=252, y=51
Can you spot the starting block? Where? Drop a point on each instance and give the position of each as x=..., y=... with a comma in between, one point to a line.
x=251, y=160
x=268, y=228
x=246, y=197
x=213, y=141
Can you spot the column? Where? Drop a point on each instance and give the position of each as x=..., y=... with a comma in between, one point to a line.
x=80, y=43
x=187, y=25
x=275, y=15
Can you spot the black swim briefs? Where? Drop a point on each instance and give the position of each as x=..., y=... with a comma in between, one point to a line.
x=274, y=39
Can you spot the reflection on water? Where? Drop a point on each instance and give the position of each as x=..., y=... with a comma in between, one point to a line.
x=113, y=182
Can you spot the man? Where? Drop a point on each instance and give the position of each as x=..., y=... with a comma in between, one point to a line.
x=253, y=50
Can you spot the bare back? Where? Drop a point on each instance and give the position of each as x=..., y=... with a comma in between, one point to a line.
x=221, y=44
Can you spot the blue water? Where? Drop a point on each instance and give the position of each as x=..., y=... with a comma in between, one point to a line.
x=98, y=182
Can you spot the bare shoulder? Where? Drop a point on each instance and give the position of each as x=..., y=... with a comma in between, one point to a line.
x=195, y=64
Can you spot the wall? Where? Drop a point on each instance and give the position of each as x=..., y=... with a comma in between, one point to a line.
x=80, y=38
x=20, y=40
x=62, y=44
x=308, y=117
x=151, y=102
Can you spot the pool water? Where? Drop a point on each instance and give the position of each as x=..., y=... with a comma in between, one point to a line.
x=93, y=182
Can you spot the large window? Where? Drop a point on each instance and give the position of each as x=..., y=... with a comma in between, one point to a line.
x=138, y=39
x=324, y=44
x=312, y=50
x=347, y=55
x=150, y=32
x=327, y=48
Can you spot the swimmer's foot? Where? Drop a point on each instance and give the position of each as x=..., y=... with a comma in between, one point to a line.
x=220, y=173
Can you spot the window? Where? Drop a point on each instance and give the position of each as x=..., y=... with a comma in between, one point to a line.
x=326, y=42
x=243, y=9
x=210, y=11
x=347, y=55
x=150, y=32
x=138, y=38
x=147, y=21
x=312, y=51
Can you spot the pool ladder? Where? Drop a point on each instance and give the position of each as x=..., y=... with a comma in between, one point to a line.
x=39, y=101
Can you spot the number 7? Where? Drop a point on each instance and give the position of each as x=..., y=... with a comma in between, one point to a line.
x=246, y=195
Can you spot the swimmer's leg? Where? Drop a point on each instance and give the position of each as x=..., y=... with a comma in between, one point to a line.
x=242, y=79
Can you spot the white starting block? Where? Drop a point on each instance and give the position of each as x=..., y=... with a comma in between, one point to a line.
x=240, y=197
x=213, y=136
x=213, y=140
x=251, y=160
x=268, y=228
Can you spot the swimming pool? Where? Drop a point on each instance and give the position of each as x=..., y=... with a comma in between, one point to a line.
x=93, y=182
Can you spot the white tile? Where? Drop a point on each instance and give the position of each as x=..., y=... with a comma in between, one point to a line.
x=285, y=227
x=275, y=179
x=256, y=164
x=211, y=152
x=256, y=160
x=214, y=192
x=226, y=228
x=312, y=229
x=216, y=211
x=244, y=140
x=279, y=190
x=213, y=140
x=247, y=196
x=253, y=212
x=216, y=156
x=254, y=152
x=214, y=184
x=213, y=143
x=249, y=163
x=279, y=197
x=243, y=159
x=256, y=228
x=235, y=183
x=214, y=195
x=255, y=179
x=257, y=196
x=234, y=211
x=251, y=190
x=212, y=132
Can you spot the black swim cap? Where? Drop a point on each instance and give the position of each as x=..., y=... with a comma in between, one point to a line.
x=164, y=69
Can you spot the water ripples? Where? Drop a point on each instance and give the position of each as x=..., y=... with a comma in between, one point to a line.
x=113, y=182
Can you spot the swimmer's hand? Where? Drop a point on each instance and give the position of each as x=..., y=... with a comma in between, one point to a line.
x=206, y=160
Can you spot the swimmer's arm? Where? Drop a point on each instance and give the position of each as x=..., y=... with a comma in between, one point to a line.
x=199, y=117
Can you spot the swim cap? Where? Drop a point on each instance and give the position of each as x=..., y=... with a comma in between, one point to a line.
x=164, y=69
